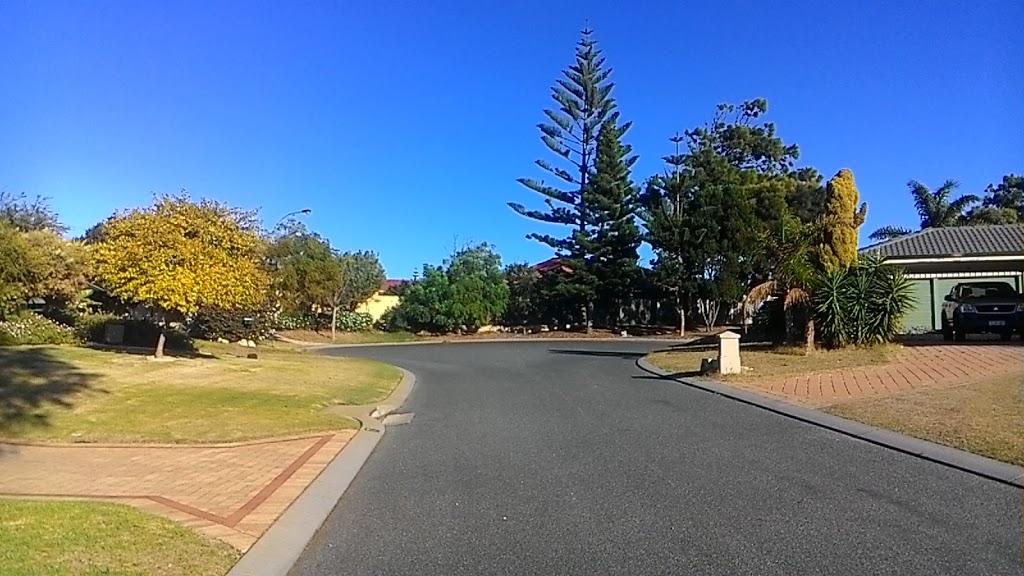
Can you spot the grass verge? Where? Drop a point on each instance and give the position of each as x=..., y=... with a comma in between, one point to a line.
x=985, y=416
x=51, y=538
x=773, y=363
x=83, y=395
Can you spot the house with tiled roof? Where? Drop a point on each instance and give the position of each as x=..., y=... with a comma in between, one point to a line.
x=936, y=259
x=383, y=300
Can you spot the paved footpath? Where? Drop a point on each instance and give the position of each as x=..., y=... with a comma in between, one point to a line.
x=229, y=491
x=916, y=367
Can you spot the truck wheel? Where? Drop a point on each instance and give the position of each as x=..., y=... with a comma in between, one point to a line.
x=958, y=334
x=947, y=330
x=1006, y=336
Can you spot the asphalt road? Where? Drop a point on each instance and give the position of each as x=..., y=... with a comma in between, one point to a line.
x=564, y=458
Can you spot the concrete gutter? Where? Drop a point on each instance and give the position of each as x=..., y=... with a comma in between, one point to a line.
x=965, y=461
x=279, y=548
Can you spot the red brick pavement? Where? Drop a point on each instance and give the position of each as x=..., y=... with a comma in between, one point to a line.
x=915, y=367
x=229, y=491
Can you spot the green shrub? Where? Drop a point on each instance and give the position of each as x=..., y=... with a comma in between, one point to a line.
x=353, y=321
x=35, y=329
x=233, y=324
x=92, y=327
x=393, y=321
x=294, y=322
x=862, y=305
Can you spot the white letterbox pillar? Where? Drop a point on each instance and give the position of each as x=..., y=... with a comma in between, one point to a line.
x=729, y=353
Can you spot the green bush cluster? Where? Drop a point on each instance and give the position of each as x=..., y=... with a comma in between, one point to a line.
x=92, y=327
x=353, y=321
x=233, y=324
x=861, y=305
x=393, y=321
x=32, y=328
x=294, y=322
x=466, y=293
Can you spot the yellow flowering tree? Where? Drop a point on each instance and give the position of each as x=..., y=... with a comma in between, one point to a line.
x=39, y=263
x=179, y=255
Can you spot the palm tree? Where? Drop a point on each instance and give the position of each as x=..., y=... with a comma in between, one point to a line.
x=792, y=277
x=934, y=209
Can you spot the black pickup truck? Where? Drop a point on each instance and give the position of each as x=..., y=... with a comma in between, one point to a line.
x=980, y=308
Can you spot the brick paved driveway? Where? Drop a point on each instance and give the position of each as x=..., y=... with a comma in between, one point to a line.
x=230, y=491
x=917, y=366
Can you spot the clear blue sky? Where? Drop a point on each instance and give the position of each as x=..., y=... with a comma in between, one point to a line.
x=404, y=125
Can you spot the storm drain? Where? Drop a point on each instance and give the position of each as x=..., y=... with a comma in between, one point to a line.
x=397, y=418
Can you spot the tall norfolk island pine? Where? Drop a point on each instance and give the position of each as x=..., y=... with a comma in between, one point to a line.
x=614, y=238
x=584, y=105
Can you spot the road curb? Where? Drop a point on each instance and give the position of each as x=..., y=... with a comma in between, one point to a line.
x=279, y=548
x=667, y=341
x=965, y=461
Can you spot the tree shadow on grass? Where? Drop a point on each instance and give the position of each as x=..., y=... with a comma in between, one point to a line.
x=144, y=351
x=33, y=380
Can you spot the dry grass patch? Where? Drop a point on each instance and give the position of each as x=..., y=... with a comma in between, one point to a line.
x=83, y=395
x=775, y=363
x=985, y=416
x=88, y=538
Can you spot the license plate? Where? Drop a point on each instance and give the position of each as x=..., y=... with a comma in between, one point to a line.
x=997, y=322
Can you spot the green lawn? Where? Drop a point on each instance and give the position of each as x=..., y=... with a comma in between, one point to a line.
x=985, y=416
x=51, y=538
x=78, y=394
x=772, y=363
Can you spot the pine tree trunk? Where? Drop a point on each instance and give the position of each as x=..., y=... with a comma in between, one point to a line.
x=334, y=320
x=809, y=335
x=160, y=344
x=588, y=312
x=682, y=315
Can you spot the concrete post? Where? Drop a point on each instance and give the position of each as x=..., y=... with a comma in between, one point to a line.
x=729, y=353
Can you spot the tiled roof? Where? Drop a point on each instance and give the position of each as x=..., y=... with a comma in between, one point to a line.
x=390, y=285
x=958, y=241
x=551, y=264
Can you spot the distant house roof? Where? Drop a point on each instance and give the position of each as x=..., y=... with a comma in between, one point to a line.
x=390, y=285
x=954, y=242
x=556, y=263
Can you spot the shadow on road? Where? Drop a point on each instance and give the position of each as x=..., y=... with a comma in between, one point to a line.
x=32, y=380
x=673, y=376
x=600, y=353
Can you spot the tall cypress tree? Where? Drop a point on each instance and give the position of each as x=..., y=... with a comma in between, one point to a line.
x=613, y=201
x=584, y=104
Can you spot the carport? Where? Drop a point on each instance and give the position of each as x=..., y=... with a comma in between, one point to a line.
x=935, y=259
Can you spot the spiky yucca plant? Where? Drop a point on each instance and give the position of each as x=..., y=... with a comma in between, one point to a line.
x=861, y=305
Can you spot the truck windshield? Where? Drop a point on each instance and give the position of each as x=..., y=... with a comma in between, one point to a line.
x=989, y=290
